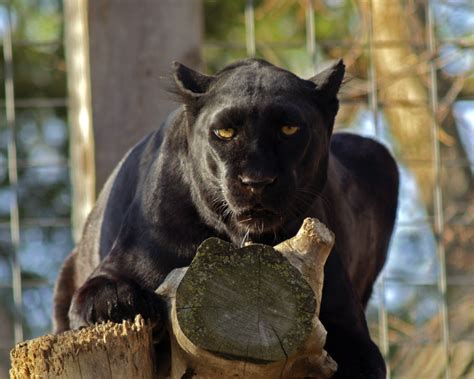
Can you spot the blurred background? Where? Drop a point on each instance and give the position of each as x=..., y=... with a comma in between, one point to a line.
x=82, y=81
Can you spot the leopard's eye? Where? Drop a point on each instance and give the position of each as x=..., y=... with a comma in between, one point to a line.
x=289, y=130
x=225, y=133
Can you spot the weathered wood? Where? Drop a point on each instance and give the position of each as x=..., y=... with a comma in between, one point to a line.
x=248, y=303
x=308, y=251
x=251, y=312
x=132, y=44
x=103, y=351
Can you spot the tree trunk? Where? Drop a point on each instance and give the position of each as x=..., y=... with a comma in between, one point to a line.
x=132, y=46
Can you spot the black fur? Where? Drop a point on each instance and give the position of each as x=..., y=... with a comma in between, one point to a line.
x=183, y=184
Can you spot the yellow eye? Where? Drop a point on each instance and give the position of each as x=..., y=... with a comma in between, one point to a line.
x=289, y=130
x=225, y=133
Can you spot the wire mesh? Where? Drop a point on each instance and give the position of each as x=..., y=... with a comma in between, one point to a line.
x=374, y=107
x=411, y=348
x=13, y=179
x=438, y=202
x=34, y=182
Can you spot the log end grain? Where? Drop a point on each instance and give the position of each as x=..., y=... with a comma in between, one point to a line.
x=247, y=304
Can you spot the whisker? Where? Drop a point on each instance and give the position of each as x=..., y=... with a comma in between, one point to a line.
x=247, y=219
x=246, y=235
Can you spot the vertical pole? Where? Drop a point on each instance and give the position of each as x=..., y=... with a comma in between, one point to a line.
x=374, y=107
x=250, y=28
x=13, y=178
x=311, y=34
x=437, y=196
x=81, y=145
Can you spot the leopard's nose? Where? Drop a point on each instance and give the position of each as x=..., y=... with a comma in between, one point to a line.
x=257, y=183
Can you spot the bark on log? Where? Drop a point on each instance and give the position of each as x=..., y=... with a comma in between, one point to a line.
x=251, y=312
x=102, y=351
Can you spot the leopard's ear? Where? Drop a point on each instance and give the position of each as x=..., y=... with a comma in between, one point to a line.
x=329, y=81
x=190, y=83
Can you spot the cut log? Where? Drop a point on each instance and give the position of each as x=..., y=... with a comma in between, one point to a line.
x=102, y=351
x=251, y=312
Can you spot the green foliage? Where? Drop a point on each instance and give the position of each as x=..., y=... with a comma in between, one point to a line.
x=280, y=32
x=224, y=20
x=37, y=21
x=47, y=79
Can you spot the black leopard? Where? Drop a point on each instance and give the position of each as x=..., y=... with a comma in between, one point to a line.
x=248, y=155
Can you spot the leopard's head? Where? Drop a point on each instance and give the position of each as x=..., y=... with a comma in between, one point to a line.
x=257, y=141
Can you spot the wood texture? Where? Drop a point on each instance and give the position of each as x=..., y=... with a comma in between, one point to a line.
x=103, y=351
x=223, y=309
x=248, y=303
x=131, y=50
x=81, y=146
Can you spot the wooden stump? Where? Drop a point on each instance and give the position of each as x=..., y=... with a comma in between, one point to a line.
x=102, y=351
x=251, y=312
